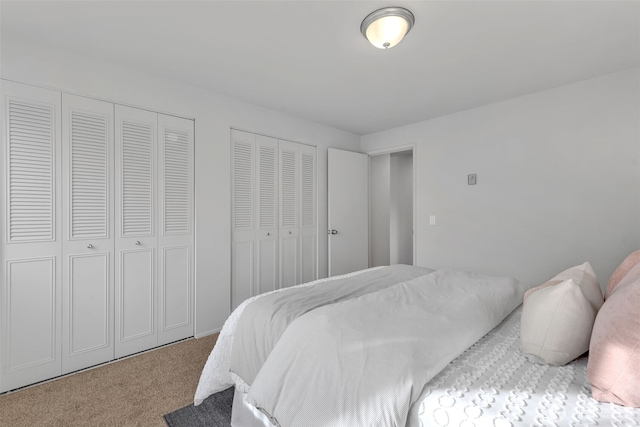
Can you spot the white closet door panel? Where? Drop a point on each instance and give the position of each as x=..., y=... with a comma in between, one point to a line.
x=31, y=315
x=88, y=247
x=308, y=255
x=31, y=325
x=176, y=272
x=267, y=274
x=136, y=239
x=289, y=261
x=242, y=271
x=88, y=332
x=30, y=268
x=175, y=234
x=135, y=319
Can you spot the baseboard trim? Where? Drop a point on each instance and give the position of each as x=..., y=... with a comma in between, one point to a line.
x=207, y=333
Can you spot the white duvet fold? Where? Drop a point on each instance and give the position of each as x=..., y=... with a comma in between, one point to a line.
x=365, y=361
x=263, y=322
x=216, y=375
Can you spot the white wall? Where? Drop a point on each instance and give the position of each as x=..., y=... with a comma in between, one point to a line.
x=558, y=181
x=401, y=209
x=379, y=196
x=214, y=115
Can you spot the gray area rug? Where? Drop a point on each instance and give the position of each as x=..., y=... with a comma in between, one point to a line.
x=214, y=411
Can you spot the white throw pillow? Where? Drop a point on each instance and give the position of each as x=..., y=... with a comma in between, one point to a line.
x=557, y=317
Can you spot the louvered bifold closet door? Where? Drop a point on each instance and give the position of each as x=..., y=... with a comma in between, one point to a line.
x=266, y=203
x=289, y=230
x=243, y=216
x=136, y=239
x=88, y=245
x=30, y=267
x=175, y=231
x=308, y=214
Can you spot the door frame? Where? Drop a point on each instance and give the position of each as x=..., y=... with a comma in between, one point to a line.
x=397, y=149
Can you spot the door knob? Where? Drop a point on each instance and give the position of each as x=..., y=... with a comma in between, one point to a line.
x=137, y=242
x=89, y=246
x=333, y=231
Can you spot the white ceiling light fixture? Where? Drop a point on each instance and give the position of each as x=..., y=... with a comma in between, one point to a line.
x=386, y=27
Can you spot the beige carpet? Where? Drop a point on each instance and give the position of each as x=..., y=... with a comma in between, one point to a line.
x=136, y=391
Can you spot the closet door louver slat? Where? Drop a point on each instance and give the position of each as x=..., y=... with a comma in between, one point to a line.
x=243, y=185
x=137, y=179
x=308, y=220
x=177, y=182
x=267, y=171
x=289, y=188
x=308, y=190
x=31, y=186
x=89, y=168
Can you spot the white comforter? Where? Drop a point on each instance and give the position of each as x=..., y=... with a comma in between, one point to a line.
x=216, y=375
x=365, y=361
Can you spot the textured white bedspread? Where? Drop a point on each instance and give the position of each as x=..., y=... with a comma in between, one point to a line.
x=493, y=384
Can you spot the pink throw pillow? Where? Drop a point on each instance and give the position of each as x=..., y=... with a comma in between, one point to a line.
x=614, y=352
x=626, y=272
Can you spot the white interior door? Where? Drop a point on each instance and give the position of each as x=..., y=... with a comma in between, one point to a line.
x=266, y=203
x=30, y=272
x=175, y=233
x=308, y=214
x=87, y=292
x=136, y=240
x=243, y=216
x=348, y=211
x=289, y=233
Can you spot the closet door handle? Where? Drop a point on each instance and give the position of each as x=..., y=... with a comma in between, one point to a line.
x=333, y=232
x=138, y=242
x=89, y=246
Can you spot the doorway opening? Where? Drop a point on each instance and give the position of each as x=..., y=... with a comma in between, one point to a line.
x=391, y=208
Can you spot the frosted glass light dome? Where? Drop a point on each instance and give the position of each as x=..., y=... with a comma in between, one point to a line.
x=386, y=27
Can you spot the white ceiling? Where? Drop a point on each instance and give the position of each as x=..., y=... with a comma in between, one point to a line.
x=308, y=58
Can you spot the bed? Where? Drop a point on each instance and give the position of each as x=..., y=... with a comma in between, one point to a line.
x=326, y=354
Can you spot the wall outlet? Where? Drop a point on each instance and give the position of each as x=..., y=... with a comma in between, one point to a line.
x=432, y=220
x=471, y=179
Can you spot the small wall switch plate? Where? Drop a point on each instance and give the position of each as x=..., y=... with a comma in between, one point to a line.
x=432, y=220
x=471, y=179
